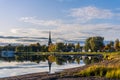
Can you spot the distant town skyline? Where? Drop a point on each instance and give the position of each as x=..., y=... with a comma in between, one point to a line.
x=29, y=21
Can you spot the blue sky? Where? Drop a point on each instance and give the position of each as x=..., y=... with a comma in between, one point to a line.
x=73, y=20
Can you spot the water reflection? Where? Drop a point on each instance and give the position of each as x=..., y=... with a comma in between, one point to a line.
x=58, y=59
x=22, y=64
x=19, y=68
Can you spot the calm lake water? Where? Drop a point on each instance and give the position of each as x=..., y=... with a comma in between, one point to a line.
x=8, y=69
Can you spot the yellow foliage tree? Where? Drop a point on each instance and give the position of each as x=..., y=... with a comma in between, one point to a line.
x=51, y=58
x=52, y=48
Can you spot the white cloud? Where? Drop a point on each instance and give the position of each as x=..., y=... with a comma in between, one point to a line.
x=75, y=32
x=14, y=31
x=78, y=31
x=32, y=32
x=1, y=32
x=89, y=13
x=69, y=31
x=63, y=30
x=35, y=21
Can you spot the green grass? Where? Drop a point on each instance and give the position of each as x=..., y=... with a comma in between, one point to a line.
x=111, y=69
x=114, y=73
x=102, y=71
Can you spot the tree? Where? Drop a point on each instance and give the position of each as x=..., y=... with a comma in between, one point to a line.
x=87, y=44
x=77, y=47
x=35, y=47
x=109, y=47
x=38, y=47
x=27, y=49
x=44, y=48
x=9, y=47
x=19, y=48
x=52, y=48
x=65, y=47
x=60, y=47
x=94, y=43
x=116, y=45
x=111, y=43
x=71, y=47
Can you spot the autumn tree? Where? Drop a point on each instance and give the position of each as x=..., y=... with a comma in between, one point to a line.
x=109, y=47
x=52, y=48
x=116, y=45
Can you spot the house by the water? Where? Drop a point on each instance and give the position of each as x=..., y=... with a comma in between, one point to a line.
x=7, y=54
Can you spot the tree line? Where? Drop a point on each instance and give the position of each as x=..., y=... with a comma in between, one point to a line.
x=95, y=44
x=92, y=44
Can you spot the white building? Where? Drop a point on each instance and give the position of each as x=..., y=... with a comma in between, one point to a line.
x=7, y=54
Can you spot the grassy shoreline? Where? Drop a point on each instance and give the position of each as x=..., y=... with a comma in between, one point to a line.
x=109, y=67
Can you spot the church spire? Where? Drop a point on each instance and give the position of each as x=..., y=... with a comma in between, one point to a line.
x=49, y=41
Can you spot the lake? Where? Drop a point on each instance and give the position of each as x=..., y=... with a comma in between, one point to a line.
x=8, y=69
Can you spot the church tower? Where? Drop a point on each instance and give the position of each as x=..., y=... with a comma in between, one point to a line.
x=49, y=40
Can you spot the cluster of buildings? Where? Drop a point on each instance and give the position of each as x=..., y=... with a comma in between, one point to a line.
x=8, y=53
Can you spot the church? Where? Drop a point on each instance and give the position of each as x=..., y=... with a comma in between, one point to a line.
x=49, y=40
